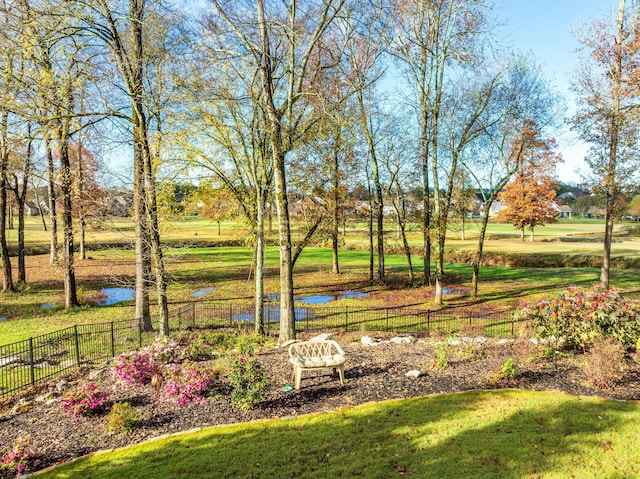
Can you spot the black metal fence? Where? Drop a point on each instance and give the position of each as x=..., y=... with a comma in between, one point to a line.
x=25, y=363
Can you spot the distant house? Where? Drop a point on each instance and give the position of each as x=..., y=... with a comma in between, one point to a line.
x=565, y=211
x=566, y=197
x=496, y=207
x=31, y=208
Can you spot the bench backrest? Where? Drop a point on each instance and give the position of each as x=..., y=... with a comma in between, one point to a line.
x=315, y=349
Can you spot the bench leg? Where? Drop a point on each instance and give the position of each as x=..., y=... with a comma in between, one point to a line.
x=341, y=372
x=298, y=376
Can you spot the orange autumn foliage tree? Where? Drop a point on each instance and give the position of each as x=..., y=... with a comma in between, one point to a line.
x=531, y=196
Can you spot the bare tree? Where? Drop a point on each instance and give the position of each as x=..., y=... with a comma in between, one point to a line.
x=281, y=40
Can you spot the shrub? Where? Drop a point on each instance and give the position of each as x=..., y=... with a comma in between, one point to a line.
x=508, y=369
x=137, y=367
x=84, y=400
x=441, y=351
x=122, y=418
x=249, y=382
x=187, y=383
x=576, y=318
x=18, y=457
x=605, y=364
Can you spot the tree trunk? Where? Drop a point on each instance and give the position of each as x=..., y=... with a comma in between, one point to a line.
x=218, y=228
x=371, y=250
x=53, y=247
x=143, y=273
x=70, y=293
x=379, y=205
x=462, y=221
x=81, y=216
x=335, y=266
x=477, y=260
x=261, y=197
x=40, y=212
x=531, y=236
x=7, y=278
x=606, y=256
x=522, y=234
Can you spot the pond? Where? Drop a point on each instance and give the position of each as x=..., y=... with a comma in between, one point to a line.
x=47, y=305
x=323, y=298
x=272, y=314
x=454, y=291
x=116, y=295
x=201, y=292
x=3, y=318
x=327, y=298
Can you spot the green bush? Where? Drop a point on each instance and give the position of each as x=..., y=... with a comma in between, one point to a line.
x=249, y=382
x=122, y=418
x=576, y=318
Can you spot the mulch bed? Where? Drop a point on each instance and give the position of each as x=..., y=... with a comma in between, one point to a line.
x=373, y=373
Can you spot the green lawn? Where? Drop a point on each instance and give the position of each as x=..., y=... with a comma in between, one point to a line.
x=504, y=434
x=226, y=269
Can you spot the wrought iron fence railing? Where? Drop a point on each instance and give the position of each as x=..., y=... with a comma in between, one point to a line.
x=25, y=363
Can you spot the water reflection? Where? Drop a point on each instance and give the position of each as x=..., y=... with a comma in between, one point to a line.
x=116, y=295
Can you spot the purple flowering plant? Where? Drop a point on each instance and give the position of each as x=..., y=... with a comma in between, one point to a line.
x=187, y=383
x=18, y=457
x=138, y=367
x=84, y=400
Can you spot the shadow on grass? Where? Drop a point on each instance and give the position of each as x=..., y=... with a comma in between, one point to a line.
x=506, y=434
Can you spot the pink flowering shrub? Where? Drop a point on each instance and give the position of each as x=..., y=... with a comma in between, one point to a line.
x=17, y=458
x=85, y=400
x=187, y=383
x=137, y=367
x=579, y=317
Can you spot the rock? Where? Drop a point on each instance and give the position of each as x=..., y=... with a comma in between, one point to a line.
x=21, y=406
x=369, y=341
x=455, y=342
x=480, y=339
x=9, y=360
x=44, y=397
x=97, y=374
x=502, y=342
x=402, y=339
x=62, y=385
x=413, y=374
x=534, y=341
x=322, y=337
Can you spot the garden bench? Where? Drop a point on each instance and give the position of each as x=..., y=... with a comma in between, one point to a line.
x=314, y=355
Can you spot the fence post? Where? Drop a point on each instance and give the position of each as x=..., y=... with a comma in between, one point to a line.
x=386, y=326
x=31, y=365
x=346, y=319
x=75, y=334
x=113, y=341
x=428, y=323
x=230, y=315
x=140, y=333
x=513, y=326
x=193, y=313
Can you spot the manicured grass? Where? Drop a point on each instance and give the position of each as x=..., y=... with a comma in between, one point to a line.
x=504, y=434
x=226, y=270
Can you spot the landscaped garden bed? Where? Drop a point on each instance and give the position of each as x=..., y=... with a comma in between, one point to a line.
x=375, y=371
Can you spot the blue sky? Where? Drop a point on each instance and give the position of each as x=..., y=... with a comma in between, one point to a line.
x=546, y=29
